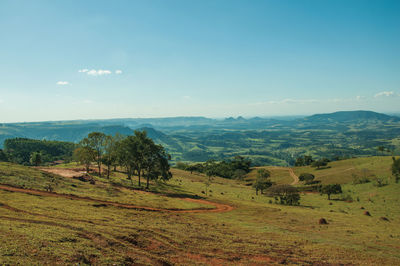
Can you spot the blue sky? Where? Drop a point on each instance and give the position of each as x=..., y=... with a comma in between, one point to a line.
x=106, y=59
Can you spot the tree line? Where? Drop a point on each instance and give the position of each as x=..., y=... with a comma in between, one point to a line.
x=34, y=152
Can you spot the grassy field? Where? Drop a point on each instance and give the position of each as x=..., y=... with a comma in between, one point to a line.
x=38, y=229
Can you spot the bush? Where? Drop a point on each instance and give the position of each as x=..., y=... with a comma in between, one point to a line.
x=306, y=177
x=360, y=180
x=313, y=182
x=379, y=182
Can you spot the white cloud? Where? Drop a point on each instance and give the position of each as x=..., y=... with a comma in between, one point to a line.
x=1, y=101
x=99, y=72
x=186, y=97
x=385, y=94
x=62, y=83
x=87, y=101
x=94, y=72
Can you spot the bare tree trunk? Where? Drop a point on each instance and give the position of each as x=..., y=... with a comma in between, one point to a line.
x=99, y=165
x=108, y=171
x=139, y=175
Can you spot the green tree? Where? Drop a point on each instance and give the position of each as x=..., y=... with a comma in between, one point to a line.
x=128, y=155
x=156, y=163
x=262, y=181
x=35, y=158
x=84, y=155
x=331, y=189
x=396, y=169
x=96, y=141
x=110, y=155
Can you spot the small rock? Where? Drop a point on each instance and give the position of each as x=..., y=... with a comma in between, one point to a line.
x=384, y=219
x=367, y=213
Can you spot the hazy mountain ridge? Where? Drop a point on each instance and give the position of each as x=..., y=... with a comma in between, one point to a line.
x=265, y=140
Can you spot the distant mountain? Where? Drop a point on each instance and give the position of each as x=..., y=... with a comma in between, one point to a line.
x=352, y=117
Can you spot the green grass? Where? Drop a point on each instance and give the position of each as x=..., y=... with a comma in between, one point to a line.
x=40, y=230
x=344, y=171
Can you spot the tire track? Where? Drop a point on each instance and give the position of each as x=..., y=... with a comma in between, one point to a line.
x=218, y=206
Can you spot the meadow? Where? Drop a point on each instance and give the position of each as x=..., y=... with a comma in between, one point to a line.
x=183, y=224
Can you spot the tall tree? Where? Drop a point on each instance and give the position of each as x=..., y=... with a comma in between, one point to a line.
x=127, y=153
x=84, y=154
x=97, y=143
x=110, y=151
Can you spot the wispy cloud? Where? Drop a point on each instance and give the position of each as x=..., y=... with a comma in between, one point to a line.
x=99, y=72
x=87, y=101
x=293, y=101
x=62, y=83
x=360, y=98
x=384, y=94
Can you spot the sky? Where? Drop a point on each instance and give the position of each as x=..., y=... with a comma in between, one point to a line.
x=63, y=60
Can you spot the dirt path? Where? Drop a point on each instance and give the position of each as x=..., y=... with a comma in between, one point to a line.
x=218, y=207
x=65, y=172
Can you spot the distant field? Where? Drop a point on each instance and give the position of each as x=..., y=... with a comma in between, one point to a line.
x=41, y=229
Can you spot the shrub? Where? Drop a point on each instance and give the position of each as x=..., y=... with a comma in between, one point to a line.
x=306, y=177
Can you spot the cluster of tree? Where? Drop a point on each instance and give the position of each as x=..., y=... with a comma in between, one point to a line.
x=138, y=154
x=262, y=181
x=21, y=150
x=235, y=168
x=320, y=163
x=285, y=194
x=308, y=160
